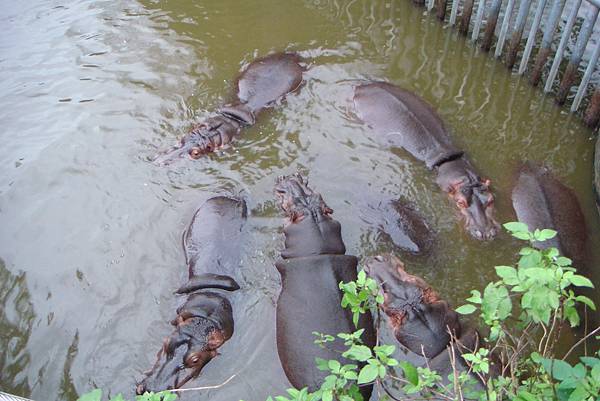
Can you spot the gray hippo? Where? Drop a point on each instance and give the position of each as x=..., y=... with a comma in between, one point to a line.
x=541, y=201
x=313, y=265
x=420, y=320
x=212, y=247
x=263, y=82
x=399, y=220
x=404, y=120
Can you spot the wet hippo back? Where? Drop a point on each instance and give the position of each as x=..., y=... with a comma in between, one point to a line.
x=402, y=223
x=404, y=120
x=310, y=302
x=269, y=78
x=206, y=241
x=541, y=201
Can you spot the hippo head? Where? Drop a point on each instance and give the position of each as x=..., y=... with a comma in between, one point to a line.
x=195, y=145
x=472, y=196
x=297, y=200
x=421, y=321
x=184, y=353
x=476, y=203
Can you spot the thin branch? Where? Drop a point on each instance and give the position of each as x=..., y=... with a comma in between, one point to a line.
x=597, y=329
x=181, y=390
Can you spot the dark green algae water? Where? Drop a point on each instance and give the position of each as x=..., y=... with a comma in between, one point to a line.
x=90, y=237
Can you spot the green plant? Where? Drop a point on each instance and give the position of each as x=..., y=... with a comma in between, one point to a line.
x=522, y=315
x=96, y=395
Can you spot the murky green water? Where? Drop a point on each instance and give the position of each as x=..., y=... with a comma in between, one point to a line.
x=90, y=230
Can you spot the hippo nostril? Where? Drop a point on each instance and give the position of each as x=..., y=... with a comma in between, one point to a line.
x=195, y=153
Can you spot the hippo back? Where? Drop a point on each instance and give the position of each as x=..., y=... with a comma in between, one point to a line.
x=215, y=226
x=267, y=79
x=541, y=201
x=310, y=302
x=404, y=120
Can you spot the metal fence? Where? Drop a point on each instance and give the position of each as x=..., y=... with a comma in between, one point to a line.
x=9, y=397
x=543, y=30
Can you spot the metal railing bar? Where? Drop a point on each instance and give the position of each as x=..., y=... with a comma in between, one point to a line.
x=582, y=40
x=466, y=17
x=490, y=26
x=440, y=6
x=532, y=32
x=478, y=20
x=586, y=78
x=562, y=45
x=544, y=52
x=517, y=33
x=430, y=5
x=504, y=28
x=453, y=12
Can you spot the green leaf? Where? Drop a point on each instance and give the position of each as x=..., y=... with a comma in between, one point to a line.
x=596, y=374
x=515, y=226
x=358, y=353
x=475, y=297
x=167, y=396
x=322, y=364
x=579, y=394
x=94, y=395
x=525, y=396
x=590, y=361
x=327, y=395
x=508, y=274
x=585, y=300
x=367, y=374
x=334, y=365
x=466, y=309
x=522, y=235
x=546, y=234
x=563, y=261
x=561, y=370
x=580, y=281
x=410, y=372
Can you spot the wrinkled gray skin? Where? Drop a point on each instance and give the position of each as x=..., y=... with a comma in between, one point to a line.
x=205, y=321
x=262, y=83
x=313, y=265
x=402, y=119
x=399, y=220
x=420, y=320
x=541, y=201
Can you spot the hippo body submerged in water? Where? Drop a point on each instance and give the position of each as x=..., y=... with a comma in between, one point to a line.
x=541, y=201
x=420, y=320
x=402, y=119
x=262, y=83
x=313, y=265
x=204, y=322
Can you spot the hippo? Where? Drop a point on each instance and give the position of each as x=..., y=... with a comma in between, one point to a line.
x=403, y=120
x=421, y=321
x=402, y=223
x=262, y=83
x=541, y=201
x=312, y=266
x=211, y=244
